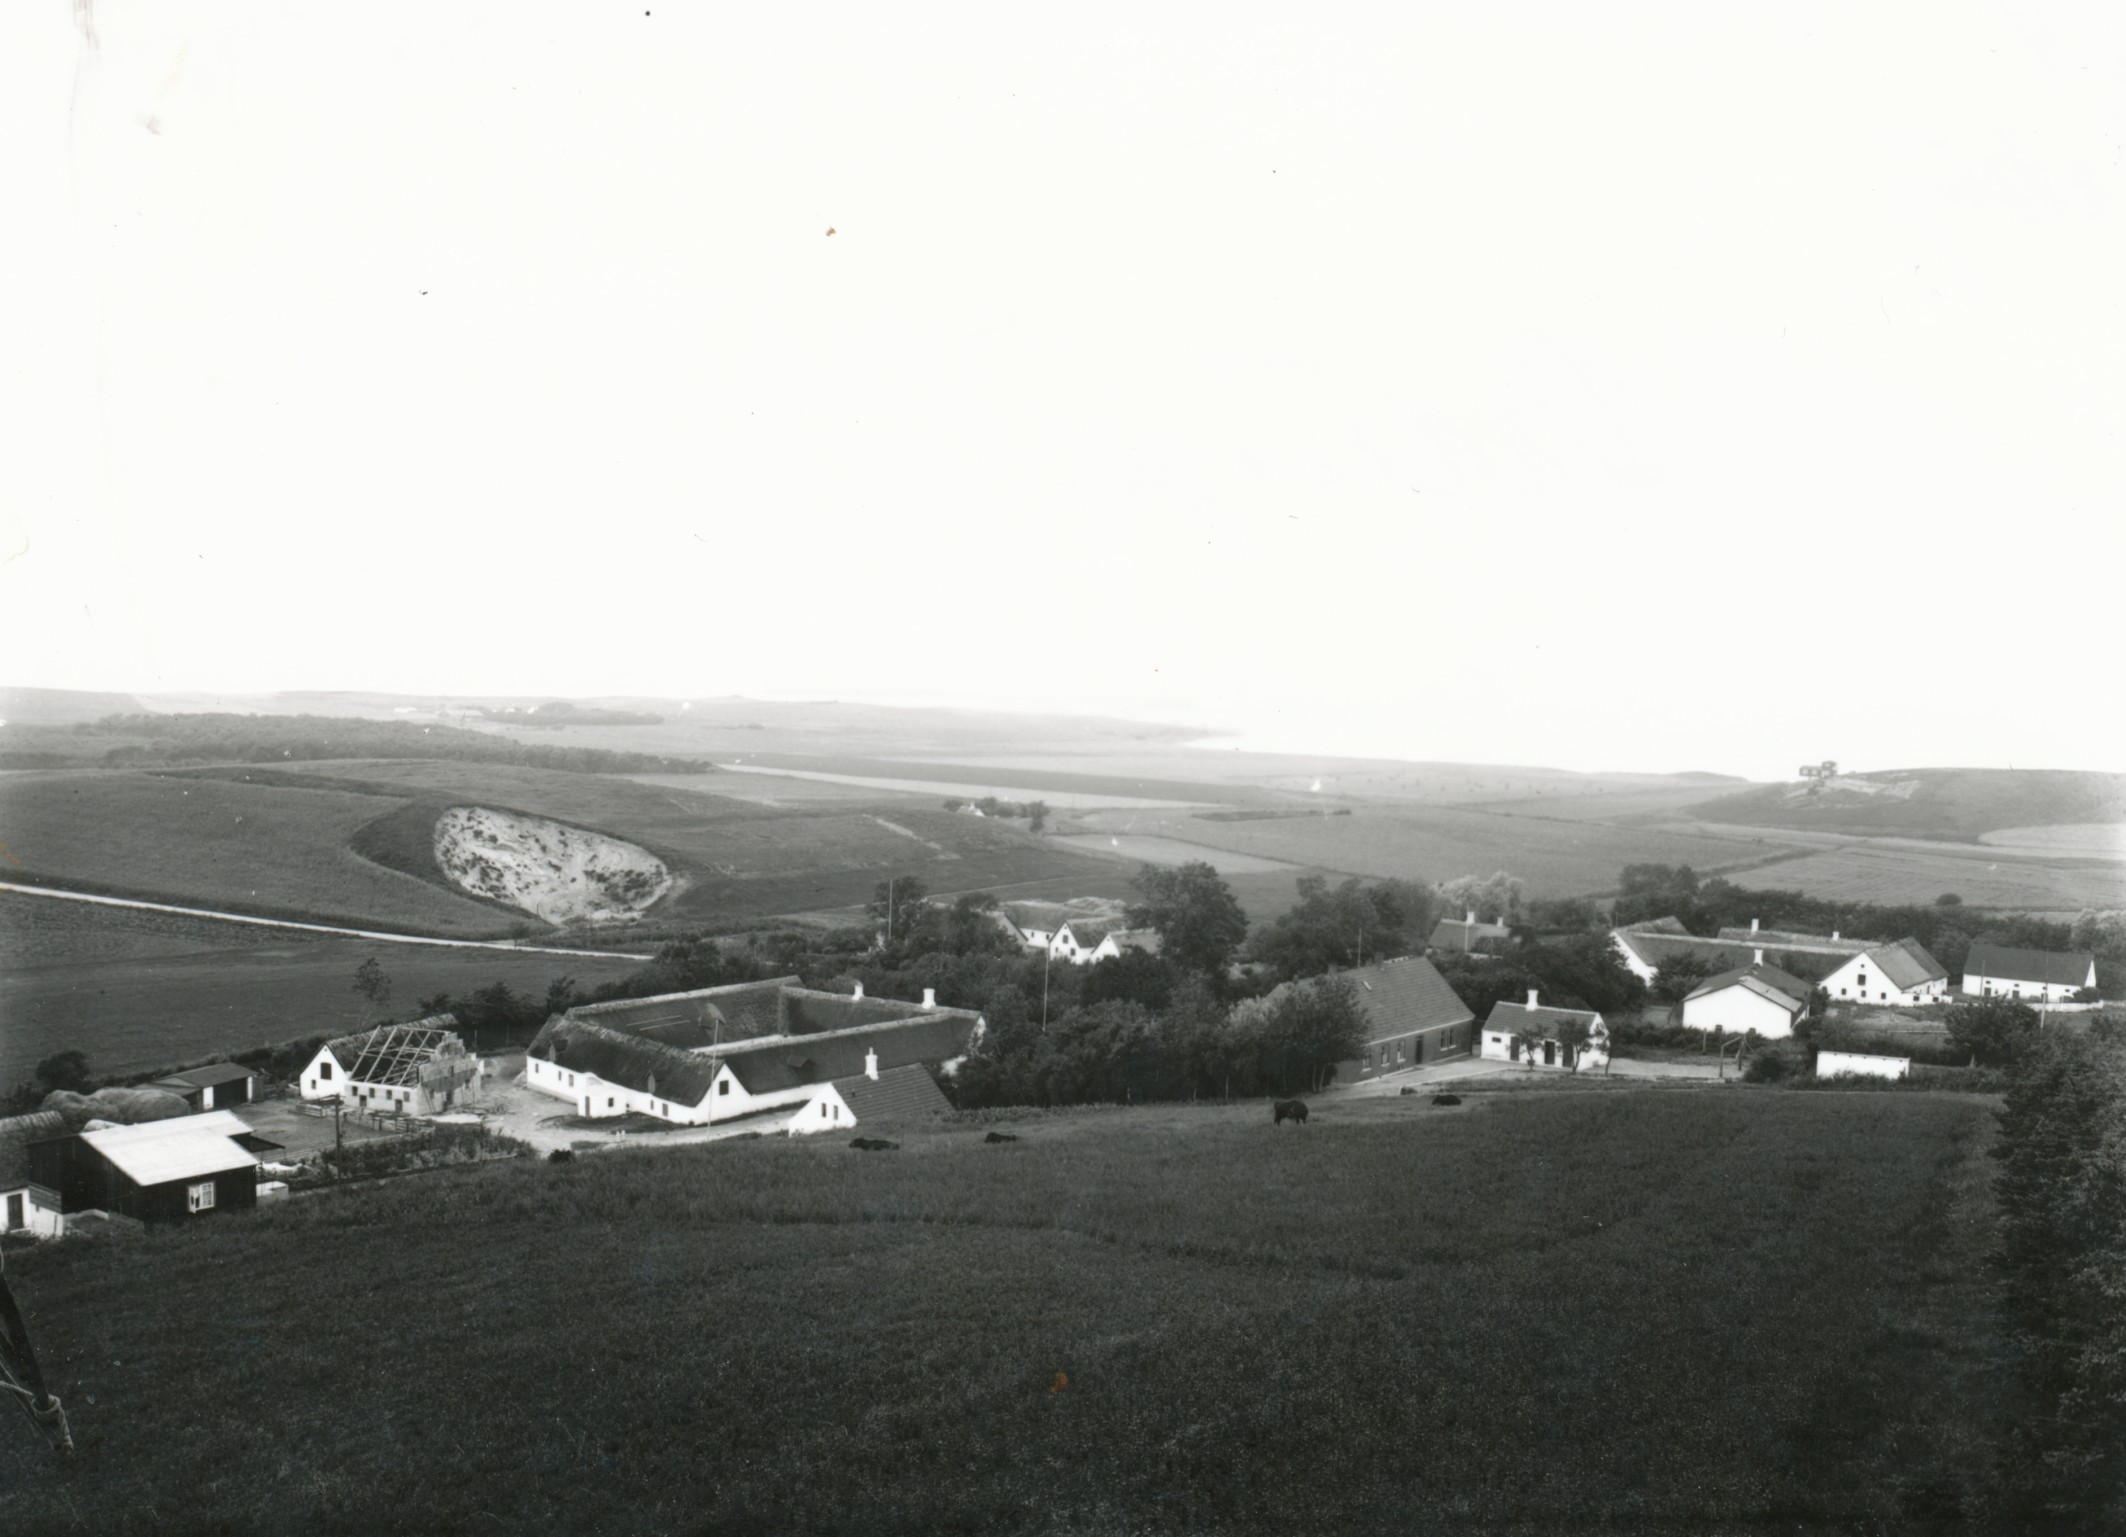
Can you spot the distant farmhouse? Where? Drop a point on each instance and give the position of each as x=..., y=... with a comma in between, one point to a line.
x=211, y=1088
x=724, y=1052
x=897, y=1097
x=1644, y=946
x=1081, y=932
x=1901, y=974
x=158, y=1171
x=1413, y=1018
x=1466, y=936
x=420, y=1068
x=2037, y=976
x=1542, y=1031
x=1754, y=997
x=27, y=1206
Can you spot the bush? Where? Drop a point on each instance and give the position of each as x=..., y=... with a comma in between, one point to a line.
x=1776, y=1063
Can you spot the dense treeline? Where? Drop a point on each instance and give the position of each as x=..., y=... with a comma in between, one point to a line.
x=222, y=738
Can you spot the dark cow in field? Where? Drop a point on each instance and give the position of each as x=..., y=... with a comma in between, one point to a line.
x=1288, y=1110
x=1408, y=1092
x=874, y=1144
x=1000, y=1136
x=1446, y=1099
x=561, y=1155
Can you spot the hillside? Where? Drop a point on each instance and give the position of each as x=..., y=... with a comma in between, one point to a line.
x=1960, y=804
x=61, y=706
x=1691, y=1311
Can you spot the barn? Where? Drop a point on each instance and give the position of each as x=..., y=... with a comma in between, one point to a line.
x=420, y=1068
x=158, y=1171
x=2034, y=976
x=1901, y=974
x=1753, y=997
x=215, y=1087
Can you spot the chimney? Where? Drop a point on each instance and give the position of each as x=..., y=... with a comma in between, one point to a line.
x=1471, y=919
x=871, y=1064
x=1753, y=929
x=1834, y=933
x=930, y=997
x=1759, y=960
x=859, y=989
x=1531, y=997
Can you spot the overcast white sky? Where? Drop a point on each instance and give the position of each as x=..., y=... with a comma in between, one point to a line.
x=1601, y=386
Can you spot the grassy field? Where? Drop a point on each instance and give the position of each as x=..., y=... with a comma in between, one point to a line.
x=1555, y=857
x=1931, y=802
x=221, y=843
x=137, y=990
x=1703, y=1311
x=1867, y=873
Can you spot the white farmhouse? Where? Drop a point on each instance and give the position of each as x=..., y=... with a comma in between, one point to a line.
x=1512, y=1027
x=2035, y=976
x=1900, y=974
x=896, y=1097
x=415, y=1069
x=1754, y=997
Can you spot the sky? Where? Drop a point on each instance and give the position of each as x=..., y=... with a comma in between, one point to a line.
x=1621, y=386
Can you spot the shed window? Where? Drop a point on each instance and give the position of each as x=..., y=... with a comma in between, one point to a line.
x=324, y=1071
x=199, y=1197
x=823, y=1110
x=723, y=1086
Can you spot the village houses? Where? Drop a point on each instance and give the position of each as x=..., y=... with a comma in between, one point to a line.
x=2033, y=976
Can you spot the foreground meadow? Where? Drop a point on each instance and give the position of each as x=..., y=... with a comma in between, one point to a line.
x=1665, y=1311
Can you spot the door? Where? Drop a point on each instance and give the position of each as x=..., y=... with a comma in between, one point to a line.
x=14, y=1212
x=206, y=1097
x=1550, y=1054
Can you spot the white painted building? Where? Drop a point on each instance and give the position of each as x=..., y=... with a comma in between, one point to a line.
x=420, y=1068
x=1902, y=975
x=896, y=1097
x=1754, y=997
x=1529, y=1034
x=1861, y=1064
x=27, y=1206
x=2031, y=976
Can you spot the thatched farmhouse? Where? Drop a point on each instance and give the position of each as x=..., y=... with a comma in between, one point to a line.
x=724, y=1052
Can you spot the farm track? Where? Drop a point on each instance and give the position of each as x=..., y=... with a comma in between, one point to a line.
x=315, y=928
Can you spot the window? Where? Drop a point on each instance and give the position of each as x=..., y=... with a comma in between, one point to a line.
x=199, y=1197
x=723, y=1086
x=324, y=1071
x=823, y=1110
x=608, y=1101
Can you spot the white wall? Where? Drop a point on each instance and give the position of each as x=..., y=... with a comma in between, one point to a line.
x=1855, y=1064
x=38, y=1219
x=825, y=1110
x=1845, y=983
x=1497, y=1046
x=1736, y=1009
x=1977, y=983
x=1630, y=958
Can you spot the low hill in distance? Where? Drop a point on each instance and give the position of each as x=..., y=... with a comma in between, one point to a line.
x=1958, y=804
x=61, y=706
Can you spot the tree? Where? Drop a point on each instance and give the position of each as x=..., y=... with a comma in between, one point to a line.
x=371, y=982
x=67, y=1070
x=1676, y=977
x=898, y=905
x=1345, y=926
x=1573, y=1033
x=1134, y=976
x=1200, y=923
x=1497, y=895
x=1995, y=1031
x=560, y=996
x=1309, y=1027
x=1038, y=811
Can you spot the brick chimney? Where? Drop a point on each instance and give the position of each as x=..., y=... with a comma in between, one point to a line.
x=1834, y=933
x=1753, y=929
x=930, y=997
x=1759, y=959
x=1531, y=997
x=1471, y=918
x=870, y=1064
x=859, y=989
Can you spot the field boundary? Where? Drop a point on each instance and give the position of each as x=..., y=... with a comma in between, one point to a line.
x=338, y=932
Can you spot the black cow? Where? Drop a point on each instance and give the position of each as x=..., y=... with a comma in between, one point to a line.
x=874, y=1144
x=1289, y=1110
x=561, y=1155
x=1446, y=1099
x=1408, y=1092
x=1000, y=1136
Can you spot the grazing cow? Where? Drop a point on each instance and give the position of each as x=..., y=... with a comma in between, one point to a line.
x=1408, y=1092
x=1000, y=1136
x=874, y=1144
x=1289, y=1110
x=561, y=1155
x=1446, y=1099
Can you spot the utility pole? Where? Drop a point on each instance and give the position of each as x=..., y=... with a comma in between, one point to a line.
x=1046, y=956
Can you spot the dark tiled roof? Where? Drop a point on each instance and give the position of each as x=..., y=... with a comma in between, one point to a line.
x=898, y=1094
x=17, y=1132
x=1653, y=949
x=2056, y=968
x=810, y=1012
x=1657, y=926
x=1088, y=932
x=1403, y=996
x=791, y=1062
x=1516, y=1018
x=1906, y=964
x=212, y=1075
x=1770, y=979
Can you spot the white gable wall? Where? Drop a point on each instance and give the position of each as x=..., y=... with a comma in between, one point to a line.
x=1736, y=1009
x=823, y=1110
x=1860, y=980
x=1630, y=957
x=31, y=1209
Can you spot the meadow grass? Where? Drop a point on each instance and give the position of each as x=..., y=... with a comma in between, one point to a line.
x=1983, y=877
x=1731, y=1310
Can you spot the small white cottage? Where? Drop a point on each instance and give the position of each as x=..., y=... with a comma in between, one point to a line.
x=872, y=1099
x=1754, y=997
x=1534, y=1036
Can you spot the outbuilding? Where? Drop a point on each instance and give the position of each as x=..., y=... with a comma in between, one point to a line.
x=158, y=1171
x=214, y=1087
x=1753, y=997
x=2035, y=976
x=420, y=1068
x=899, y=1096
x=26, y=1204
x=1861, y=1064
x=1903, y=975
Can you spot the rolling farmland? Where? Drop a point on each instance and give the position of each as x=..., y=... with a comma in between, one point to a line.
x=1892, y=875
x=1172, y=1318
